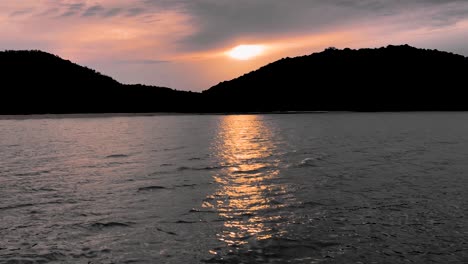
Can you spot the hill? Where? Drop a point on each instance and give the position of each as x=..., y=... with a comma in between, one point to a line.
x=35, y=82
x=393, y=78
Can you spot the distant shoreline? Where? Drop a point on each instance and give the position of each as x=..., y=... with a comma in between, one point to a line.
x=102, y=115
x=110, y=115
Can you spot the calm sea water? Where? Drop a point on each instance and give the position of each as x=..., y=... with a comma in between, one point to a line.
x=309, y=188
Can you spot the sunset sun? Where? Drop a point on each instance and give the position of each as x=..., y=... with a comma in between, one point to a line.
x=246, y=52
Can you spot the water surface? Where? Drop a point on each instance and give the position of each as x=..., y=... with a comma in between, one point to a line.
x=311, y=188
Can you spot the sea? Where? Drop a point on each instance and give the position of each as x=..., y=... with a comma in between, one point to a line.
x=266, y=188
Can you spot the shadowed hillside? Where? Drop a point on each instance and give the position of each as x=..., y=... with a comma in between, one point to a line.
x=35, y=82
x=395, y=78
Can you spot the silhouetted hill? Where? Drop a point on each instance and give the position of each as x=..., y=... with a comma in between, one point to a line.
x=35, y=82
x=394, y=78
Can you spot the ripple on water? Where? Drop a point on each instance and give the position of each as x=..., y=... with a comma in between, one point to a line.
x=19, y=258
x=102, y=225
x=16, y=206
x=206, y=168
x=32, y=173
x=273, y=250
x=151, y=188
x=377, y=195
x=251, y=171
x=117, y=156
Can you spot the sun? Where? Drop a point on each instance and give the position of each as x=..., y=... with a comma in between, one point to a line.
x=246, y=52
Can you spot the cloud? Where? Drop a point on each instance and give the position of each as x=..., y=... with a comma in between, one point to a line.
x=147, y=34
x=135, y=11
x=147, y=62
x=112, y=12
x=22, y=12
x=73, y=9
x=93, y=11
x=220, y=22
x=49, y=12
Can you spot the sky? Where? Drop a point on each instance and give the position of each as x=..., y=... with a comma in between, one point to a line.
x=188, y=44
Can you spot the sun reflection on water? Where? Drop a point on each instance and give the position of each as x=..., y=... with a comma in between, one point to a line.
x=248, y=198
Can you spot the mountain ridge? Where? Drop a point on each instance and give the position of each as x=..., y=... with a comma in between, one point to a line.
x=37, y=82
x=392, y=78
x=351, y=80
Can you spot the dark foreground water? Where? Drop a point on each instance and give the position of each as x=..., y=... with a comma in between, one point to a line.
x=312, y=188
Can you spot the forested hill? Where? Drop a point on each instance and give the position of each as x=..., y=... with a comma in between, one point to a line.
x=35, y=82
x=393, y=78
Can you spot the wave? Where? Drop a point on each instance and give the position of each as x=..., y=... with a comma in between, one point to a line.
x=207, y=168
x=176, y=148
x=312, y=161
x=157, y=187
x=32, y=173
x=151, y=188
x=109, y=224
x=167, y=232
x=16, y=206
x=254, y=171
x=116, y=156
x=194, y=210
x=185, y=185
x=262, y=251
x=34, y=258
x=186, y=222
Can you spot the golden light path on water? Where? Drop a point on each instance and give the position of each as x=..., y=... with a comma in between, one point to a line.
x=248, y=199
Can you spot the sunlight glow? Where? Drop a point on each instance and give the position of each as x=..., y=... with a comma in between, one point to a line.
x=247, y=190
x=246, y=52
